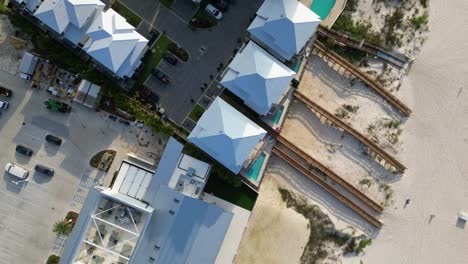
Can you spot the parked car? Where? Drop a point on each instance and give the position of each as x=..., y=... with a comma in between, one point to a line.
x=170, y=58
x=53, y=139
x=214, y=12
x=44, y=170
x=3, y=104
x=5, y=92
x=221, y=4
x=24, y=150
x=160, y=76
x=16, y=170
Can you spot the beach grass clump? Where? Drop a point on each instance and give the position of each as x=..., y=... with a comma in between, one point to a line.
x=420, y=21
x=325, y=241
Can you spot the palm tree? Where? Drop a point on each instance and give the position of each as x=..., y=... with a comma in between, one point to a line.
x=62, y=228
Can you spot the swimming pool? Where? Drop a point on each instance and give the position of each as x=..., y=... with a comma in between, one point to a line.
x=277, y=116
x=256, y=167
x=298, y=65
x=322, y=7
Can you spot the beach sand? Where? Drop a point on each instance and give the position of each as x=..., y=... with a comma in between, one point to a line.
x=326, y=84
x=337, y=150
x=267, y=238
x=436, y=146
x=276, y=234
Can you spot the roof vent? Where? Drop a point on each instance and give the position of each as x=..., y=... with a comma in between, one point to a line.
x=171, y=212
x=190, y=172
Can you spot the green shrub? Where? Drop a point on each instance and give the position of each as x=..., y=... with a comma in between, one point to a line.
x=363, y=244
x=424, y=3
x=420, y=21
x=53, y=259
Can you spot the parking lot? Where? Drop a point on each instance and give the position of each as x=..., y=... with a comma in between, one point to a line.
x=207, y=49
x=29, y=209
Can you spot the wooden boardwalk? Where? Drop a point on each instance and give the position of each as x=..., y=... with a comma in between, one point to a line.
x=323, y=184
x=321, y=48
x=381, y=156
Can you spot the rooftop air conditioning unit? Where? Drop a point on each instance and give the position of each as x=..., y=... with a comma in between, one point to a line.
x=191, y=172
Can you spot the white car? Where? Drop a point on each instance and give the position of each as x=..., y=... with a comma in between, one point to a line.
x=16, y=170
x=3, y=104
x=214, y=12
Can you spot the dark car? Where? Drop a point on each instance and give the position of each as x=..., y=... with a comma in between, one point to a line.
x=171, y=59
x=44, y=170
x=54, y=140
x=24, y=150
x=5, y=92
x=160, y=76
x=221, y=4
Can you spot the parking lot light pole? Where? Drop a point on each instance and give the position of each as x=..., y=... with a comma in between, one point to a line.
x=18, y=182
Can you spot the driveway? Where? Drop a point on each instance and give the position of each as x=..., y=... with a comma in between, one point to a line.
x=29, y=209
x=185, y=9
x=207, y=48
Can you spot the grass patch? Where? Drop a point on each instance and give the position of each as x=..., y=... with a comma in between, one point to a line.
x=132, y=18
x=358, y=30
x=178, y=52
x=420, y=21
x=242, y=196
x=103, y=160
x=167, y=3
x=197, y=112
x=3, y=8
x=153, y=57
x=424, y=3
x=202, y=19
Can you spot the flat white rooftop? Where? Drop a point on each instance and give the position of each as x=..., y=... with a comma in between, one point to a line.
x=132, y=180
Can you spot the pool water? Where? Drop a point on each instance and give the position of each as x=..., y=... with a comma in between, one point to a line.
x=256, y=167
x=322, y=7
x=277, y=116
x=297, y=66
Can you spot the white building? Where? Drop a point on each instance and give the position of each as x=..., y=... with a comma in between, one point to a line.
x=258, y=78
x=283, y=27
x=146, y=217
x=105, y=36
x=227, y=136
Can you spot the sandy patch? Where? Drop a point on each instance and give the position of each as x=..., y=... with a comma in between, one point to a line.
x=10, y=57
x=436, y=144
x=350, y=100
x=339, y=151
x=267, y=238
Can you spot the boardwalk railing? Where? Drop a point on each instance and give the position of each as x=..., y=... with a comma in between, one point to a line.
x=380, y=155
x=320, y=182
x=321, y=48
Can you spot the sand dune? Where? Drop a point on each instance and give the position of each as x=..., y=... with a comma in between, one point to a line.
x=435, y=151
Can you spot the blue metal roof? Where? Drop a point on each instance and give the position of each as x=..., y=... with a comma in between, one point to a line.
x=258, y=78
x=284, y=26
x=226, y=135
x=166, y=167
x=196, y=235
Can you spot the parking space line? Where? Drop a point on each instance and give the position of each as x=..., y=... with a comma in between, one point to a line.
x=9, y=252
x=18, y=199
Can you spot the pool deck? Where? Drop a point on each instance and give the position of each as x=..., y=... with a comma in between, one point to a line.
x=334, y=13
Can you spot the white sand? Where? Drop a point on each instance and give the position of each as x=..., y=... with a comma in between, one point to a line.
x=278, y=235
x=436, y=146
x=275, y=234
x=304, y=130
x=326, y=84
